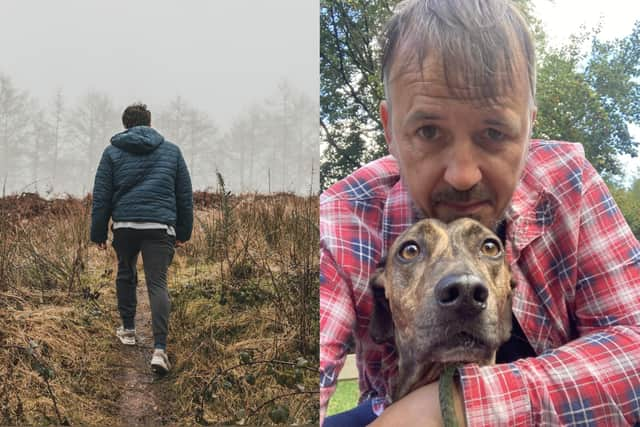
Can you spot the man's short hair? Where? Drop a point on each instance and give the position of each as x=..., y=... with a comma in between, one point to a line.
x=484, y=46
x=136, y=115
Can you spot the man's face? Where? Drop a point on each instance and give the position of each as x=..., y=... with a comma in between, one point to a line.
x=457, y=157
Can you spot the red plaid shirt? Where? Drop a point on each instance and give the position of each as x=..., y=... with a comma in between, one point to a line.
x=577, y=267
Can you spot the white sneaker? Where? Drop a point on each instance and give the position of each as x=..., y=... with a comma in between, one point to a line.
x=160, y=362
x=126, y=336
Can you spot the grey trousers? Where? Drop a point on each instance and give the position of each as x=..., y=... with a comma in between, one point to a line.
x=157, y=248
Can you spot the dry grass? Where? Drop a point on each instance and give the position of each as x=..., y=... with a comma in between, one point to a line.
x=54, y=360
x=244, y=324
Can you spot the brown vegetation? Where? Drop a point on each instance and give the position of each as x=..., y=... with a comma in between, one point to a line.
x=244, y=324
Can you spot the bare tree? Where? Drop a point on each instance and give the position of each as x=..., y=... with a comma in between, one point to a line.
x=293, y=139
x=172, y=120
x=14, y=118
x=274, y=146
x=201, y=142
x=92, y=123
x=197, y=135
x=58, y=113
x=306, y=141
x=244, y=142
x=40, y=134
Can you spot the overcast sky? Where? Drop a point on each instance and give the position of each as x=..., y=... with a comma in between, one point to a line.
x=221, y=56
x=562, y=18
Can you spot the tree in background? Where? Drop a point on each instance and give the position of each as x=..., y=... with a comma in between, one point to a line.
x=14, y=127
x=305, y=140
x=242, y=148
x=201, y=143
x=272, y=145
x=293, y=138
x=628, y=200
x=57, y=124
x=171, y=120
x=194, y=132
x=350, y=84
x=92, y=123
x=591, y=98
x=583, y=98
x=41, y=153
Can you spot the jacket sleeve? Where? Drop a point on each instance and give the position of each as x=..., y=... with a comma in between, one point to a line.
x=184, y=201
x=594, y=379
x=102, y=195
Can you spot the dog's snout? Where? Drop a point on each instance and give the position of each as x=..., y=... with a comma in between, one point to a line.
x=463, y=292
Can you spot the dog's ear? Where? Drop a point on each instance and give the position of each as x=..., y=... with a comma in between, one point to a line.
x=381, y=324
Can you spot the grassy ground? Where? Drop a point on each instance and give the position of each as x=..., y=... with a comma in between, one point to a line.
x=345, y=397
x=244, y=324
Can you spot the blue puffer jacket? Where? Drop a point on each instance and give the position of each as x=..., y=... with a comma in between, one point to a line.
x=143, y=178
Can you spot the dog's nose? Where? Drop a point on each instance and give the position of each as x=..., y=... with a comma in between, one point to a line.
x=465, y=293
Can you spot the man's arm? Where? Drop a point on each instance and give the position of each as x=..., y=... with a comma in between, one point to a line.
x=337, y=317
x=184, y=203
x=101, y=206
x=596, y=376
x=421, y=408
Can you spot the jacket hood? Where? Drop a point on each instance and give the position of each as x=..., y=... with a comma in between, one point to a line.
x=138, y=139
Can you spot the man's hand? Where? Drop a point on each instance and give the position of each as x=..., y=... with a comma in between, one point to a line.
x=419, y=408
x=179, y=243
x=102, y=245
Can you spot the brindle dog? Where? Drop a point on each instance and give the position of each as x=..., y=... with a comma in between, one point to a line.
x=442, y=296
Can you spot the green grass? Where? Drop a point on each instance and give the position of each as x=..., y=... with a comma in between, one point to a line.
x=345, y=397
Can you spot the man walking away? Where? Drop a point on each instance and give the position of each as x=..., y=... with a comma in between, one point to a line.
x=143, y=184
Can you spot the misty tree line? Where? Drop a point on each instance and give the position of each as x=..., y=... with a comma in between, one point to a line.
x=54, y=148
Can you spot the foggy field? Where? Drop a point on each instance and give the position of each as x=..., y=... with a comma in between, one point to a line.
x=243, y=336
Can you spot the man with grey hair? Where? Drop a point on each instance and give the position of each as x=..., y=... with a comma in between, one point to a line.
x=459, y=81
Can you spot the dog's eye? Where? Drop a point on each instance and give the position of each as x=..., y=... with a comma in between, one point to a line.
x=490, y=247
x=409, y=251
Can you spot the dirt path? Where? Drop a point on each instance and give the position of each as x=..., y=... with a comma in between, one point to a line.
x=138, y=405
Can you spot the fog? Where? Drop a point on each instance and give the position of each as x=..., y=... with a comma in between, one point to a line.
x=234, y=83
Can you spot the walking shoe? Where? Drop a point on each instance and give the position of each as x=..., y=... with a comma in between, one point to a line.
x=126, y=336
x=160, y=362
